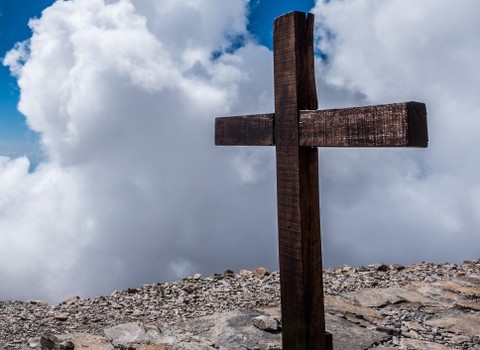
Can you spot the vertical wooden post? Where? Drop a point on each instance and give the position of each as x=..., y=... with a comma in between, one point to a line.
x=303, y=319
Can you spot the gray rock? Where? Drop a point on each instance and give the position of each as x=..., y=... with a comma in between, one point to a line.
x=85, y=341
x=414, y=344
x=267, y=323
x=49, y=341
x=349, y=336
x=61, y=316
x=232, y=330
x=423, y=306
x=133, y=333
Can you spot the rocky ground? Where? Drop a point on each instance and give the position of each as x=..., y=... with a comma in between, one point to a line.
x=422, y=306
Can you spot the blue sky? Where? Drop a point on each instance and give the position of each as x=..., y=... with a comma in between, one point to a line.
x=15, y=138
x=131, y=188
x=263, y=12
x=14, y=17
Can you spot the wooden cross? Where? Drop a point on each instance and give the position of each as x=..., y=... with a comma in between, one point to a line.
x=297, y=129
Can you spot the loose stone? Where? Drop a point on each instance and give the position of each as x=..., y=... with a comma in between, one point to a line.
x=421, y=306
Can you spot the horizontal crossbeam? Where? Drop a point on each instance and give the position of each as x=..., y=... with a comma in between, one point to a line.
x=392, y=125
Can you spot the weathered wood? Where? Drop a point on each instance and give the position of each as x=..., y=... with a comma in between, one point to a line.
x=297, y=129
x=254, y=130
x=392, y=125
x=417, y=124
x=303, y=318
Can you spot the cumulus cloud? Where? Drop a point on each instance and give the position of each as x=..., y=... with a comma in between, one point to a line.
x=403, y=205
x=132, y=190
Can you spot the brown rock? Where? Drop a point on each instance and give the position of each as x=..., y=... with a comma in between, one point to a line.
x=457, y=288
x=347, y=270
x=388, y=296
x=83, y=341
x=456, y=322
x=460, y=339
x=398, y=267
x=412, y=334
x=261, y=271
x=350, y=310
x=443, y=297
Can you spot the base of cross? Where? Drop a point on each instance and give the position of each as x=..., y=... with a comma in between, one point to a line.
x=328, y=341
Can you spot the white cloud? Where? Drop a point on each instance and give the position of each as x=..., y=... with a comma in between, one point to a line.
x=37, y=213
x=404, y=205
x=124, y=94
x=134, y=189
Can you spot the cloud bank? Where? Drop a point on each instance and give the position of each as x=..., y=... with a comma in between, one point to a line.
x=403, y=205
x=124, y=95
x=134, y=190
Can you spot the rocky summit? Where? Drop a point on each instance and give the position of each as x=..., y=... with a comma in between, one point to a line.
x=423, y=306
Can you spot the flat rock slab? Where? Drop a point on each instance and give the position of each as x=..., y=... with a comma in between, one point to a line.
x=460, y=288
x=456, y=322
x=446, y=295
x=379, y=298
x=230, y=330
x=234, y=330
x=349, y=336
x=350, y=310
x=414, y=344
x=133, y=333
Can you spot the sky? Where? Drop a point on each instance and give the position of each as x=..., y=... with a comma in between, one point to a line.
x=109, y=177
x=15, y=138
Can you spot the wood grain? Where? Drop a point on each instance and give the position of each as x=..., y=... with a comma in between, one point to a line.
x=392, y=125
x=297, y=129
x=303, y=319
x=253, y=130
